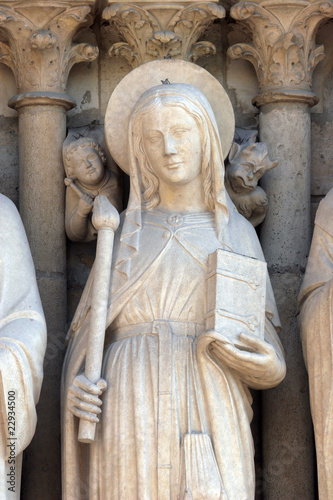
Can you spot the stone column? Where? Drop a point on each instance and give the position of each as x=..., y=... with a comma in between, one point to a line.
x=283, y=52
x=40, y=52
x=162, y=30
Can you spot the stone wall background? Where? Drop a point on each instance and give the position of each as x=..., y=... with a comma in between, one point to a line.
x=91, y=85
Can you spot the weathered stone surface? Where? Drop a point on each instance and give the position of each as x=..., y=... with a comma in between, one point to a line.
x=22, y=348
x=87, y=178
x=247, y=163
x=119, y=111
x=90, y=84
x=288, y=469
x=9, y=163
x=284, y=70
x=207, y=421
x=39, y=48
x=162, y=31
x=315, y=303
x=322, y=118
x=285, y=234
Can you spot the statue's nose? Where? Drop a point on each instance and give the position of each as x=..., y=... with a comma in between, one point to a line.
x=169, y=146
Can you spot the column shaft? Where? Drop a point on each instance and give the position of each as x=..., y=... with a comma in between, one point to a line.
x=288, y=455
x=282, y=48
x=39, y=48
x=42, y=130
x=285, y=233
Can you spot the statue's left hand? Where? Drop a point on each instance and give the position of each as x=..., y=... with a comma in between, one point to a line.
x=260, y=362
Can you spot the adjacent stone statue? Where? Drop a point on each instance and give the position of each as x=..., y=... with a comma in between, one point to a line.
x=176, y=413
x=316, y=325
x=87, y=177
x=22, y=348
x=247, y=164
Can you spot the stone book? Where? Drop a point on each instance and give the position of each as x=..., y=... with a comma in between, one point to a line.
x=236, y=295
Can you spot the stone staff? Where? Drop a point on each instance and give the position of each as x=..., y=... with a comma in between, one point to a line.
x=69, y=182
x=106, y=221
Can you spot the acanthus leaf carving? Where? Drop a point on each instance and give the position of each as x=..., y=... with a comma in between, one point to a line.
x=73, y=17
x=287, y=62
x=81, y=52
x=41, y=68
x=123, y=49
x=251, y=54
x=41, y=57
x=316, y=55
x=164, y=45
x=42, y=39
x=148, y=37
x=200, y=49
x=283, y=50
x=136, y=27
x=6, y=56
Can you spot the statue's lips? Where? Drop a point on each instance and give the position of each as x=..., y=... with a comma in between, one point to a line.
x=173, y=166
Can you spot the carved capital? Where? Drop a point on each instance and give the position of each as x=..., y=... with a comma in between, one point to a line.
x=162, y=30
x=38, y=44
x=282, y=45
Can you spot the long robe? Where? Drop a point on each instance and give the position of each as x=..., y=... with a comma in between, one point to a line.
x=22, y=347
x=316, y=323
x=160, y=308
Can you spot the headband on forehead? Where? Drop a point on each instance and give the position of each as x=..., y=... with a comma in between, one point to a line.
x=187, y=80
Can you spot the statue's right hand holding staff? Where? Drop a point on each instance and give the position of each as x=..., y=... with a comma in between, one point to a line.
x=84, y=401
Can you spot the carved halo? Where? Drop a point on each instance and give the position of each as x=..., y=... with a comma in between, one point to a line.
x=128, y=91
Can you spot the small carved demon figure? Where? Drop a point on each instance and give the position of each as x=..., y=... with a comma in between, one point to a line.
x=247, y=164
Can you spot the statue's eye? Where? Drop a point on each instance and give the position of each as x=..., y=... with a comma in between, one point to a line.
x=260, y=172
x=153, y=139
x=247, y=167
x=91, y=157
x=180, y=132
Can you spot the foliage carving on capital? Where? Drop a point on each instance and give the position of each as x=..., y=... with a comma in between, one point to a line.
x=282, y=48
x=41, y=56
x=150, y=34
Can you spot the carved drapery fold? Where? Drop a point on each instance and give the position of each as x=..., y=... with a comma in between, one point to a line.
x=163, y=30
x=282, y=48
x=38, y=46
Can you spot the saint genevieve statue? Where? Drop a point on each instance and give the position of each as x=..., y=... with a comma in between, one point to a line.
x=191, y=321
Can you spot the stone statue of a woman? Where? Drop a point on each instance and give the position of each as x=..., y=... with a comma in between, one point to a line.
x=160, y=386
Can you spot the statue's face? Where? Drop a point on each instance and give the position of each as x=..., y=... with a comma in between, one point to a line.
x=243, y=177
x=247, y=166
x=172, y=143
x=87, y=166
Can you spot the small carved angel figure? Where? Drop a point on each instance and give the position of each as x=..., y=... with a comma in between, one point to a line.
x=247, y=164
x=87, y=177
